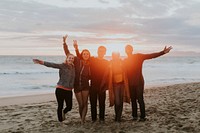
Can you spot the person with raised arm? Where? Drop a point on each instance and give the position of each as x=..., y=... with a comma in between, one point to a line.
x=98, y=66
x=65, y=84
x=133, y=65
x=82, y=77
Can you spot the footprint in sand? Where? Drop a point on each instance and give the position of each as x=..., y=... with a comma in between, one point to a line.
x=79, y=131
x=188, y=129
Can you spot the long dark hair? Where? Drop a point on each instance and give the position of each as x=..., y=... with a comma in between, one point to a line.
x=84, y=51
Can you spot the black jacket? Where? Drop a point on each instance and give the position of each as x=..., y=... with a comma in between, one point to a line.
x=82, y=71
x=98, y=68
x=133, y=66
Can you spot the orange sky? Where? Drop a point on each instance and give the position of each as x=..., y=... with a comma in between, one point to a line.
x=36, y=27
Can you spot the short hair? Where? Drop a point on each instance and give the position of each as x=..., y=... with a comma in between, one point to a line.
x=102, y=47
x=116, y=53
x=129, y=47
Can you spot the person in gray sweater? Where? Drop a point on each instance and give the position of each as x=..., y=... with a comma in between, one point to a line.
x=65, y=84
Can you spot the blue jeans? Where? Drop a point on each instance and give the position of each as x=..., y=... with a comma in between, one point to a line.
x=118, y=89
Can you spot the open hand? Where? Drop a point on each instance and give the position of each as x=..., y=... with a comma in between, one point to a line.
x=75, y=44
x=167, y=49
x=36, y=61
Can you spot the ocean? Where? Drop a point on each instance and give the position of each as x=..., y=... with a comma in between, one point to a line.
x=20, y=76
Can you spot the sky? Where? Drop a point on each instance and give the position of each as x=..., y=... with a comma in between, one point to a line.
x=36, y=27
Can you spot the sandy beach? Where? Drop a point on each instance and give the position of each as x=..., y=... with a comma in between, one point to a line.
x=174, y=108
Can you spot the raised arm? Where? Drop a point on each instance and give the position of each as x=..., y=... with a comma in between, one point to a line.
x=76, y=48
x=47, y=64
x=155, y=55
x=65, y=46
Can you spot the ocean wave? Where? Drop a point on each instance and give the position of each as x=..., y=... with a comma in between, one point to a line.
x=42, y=87
x=174, y=79
x=24, y=73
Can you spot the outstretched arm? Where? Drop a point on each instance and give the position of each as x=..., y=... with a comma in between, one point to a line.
x=155, y=55
x=76, y=48
x=47, y=64
x=65, y=46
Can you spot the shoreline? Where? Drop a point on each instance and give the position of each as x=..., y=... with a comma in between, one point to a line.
x=45, y=97
x=173, y=108
x=28, y=99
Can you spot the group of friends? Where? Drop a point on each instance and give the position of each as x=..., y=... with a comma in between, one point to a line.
x=90, y=77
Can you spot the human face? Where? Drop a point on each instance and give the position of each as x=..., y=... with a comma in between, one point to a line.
x=85, y=55
x=115, y=56
x=129, y=49
x=101, y=52
x=70, y=59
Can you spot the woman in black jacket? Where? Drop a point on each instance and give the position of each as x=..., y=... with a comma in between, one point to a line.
x=82, y=77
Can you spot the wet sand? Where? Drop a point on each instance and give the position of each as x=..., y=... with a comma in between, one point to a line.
x=174, y=108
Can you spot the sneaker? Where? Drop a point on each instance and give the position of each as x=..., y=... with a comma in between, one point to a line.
x=101, y=121
x=115, y=119
x=63, y=115
x=118, y=120
x=142, y=119
x=135, y=118
x=94, y=120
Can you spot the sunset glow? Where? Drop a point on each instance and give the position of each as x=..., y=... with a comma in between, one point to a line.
x=36, y=27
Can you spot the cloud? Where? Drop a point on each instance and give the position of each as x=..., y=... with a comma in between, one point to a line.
x=144, y=22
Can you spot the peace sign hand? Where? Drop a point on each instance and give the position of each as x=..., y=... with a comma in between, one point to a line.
x=75, y=44
x=65, y=38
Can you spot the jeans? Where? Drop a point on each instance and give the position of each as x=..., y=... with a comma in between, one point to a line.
x=61, y=96
x=118, y=89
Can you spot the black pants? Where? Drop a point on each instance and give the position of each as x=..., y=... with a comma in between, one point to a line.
x=136, y=93
x=95, y=95
x=61, y=96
